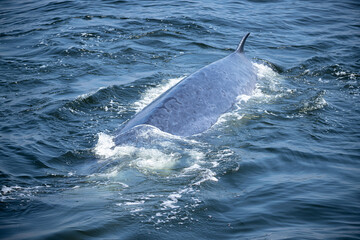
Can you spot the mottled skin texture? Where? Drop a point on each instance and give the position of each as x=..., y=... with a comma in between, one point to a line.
x=195, y=103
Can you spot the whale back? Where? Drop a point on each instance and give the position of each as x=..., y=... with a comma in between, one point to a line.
x=195, y=103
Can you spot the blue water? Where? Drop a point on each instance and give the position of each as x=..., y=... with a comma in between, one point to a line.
x=284, y=163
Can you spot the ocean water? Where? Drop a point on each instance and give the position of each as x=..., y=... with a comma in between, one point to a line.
x=284, y=163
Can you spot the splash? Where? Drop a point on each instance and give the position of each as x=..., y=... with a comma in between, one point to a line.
x=179, y=165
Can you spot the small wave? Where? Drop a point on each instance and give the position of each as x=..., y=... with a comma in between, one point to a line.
x=315, y=103
x=9, y=193
x=309, y=105
x=87, y=96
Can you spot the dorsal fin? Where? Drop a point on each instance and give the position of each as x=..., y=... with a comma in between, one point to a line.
x=240, y=48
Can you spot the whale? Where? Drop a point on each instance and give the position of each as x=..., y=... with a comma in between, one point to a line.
x=194, y=104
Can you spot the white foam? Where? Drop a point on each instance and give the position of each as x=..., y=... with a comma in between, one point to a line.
x=192, y=168
x=207, y=175
x=173, y=199
x=104, y=146
x=136, y=210
x=268, y=78
x=134, y=203
x=268, y=87
x=5, y=190
x=340, y=73
x=196, y=155
x=265, y=72
x=243, y=98
x=16, y=192
x=154, y=159
x=114, y=107
x=152, y=93
x=144, y=158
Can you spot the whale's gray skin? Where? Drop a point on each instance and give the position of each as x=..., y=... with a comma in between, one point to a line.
x=195, y=103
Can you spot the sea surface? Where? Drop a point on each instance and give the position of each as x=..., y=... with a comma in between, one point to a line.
x=284, y=163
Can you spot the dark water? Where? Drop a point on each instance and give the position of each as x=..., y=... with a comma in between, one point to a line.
x=283, y=164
